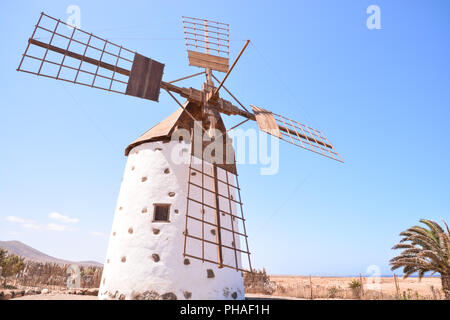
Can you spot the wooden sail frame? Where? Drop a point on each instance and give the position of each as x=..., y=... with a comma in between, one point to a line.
x=221, y=218
x=207, y=43
x=59, y=51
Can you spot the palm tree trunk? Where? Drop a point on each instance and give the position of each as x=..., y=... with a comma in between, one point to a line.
x=446, y=285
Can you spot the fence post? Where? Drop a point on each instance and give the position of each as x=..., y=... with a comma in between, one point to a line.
x=362, y=288
x=310, y=286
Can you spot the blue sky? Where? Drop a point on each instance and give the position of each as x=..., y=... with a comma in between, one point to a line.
x=381, y=96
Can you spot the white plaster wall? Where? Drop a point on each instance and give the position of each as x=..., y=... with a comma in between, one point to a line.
x=129, y=269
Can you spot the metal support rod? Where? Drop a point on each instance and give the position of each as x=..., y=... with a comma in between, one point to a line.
x=231, y=68
x=184, y=78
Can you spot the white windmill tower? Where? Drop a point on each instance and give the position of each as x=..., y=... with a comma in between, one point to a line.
x=178, y=229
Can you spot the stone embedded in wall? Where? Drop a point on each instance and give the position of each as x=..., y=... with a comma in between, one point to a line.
x=132, y=168
x=213, y=232
x=210, y=273
x=155, y=230
x=155, y=257
x=122, y=296
x=124, y=259
x=176, y=211
x=120, y=208
x=158, y=149
x=167, y=171
x=169, y=296
x=187, y=294
x=146, y=295
x=144, y=179
x=130, y=230
x=171, y=194
x=193, y=173
x=144, y=210
x=186, y=262
x=234, y=295
x=114, y=233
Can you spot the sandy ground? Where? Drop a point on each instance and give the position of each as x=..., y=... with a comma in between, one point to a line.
x=57, y=297
x=79, y=297
x=385, y=285
x=297, y=287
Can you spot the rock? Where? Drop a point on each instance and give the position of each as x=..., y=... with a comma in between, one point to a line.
x=186, y=262
x=19, y=293
x=167, y=171
x=29, y=292
x=155, y=231
x=155, y=257
x=45, y=291
x=144, y=179
x=2, y=295
x=92, y=292
x=234, y=295
x=146, y=295
x=5, y=295
x=210, y=273
x=169, y=296
x=122, y=296
x=213, y=232
x=171, y=194
x=187, y=294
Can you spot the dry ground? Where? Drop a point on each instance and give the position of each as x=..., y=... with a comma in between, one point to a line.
x=298, y=287
x=373, y=288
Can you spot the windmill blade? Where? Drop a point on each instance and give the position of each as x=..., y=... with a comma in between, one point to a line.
x=59, y=51
x=295, y=133
x=207, y=43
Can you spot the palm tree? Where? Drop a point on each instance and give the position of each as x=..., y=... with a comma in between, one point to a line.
x=425, y=250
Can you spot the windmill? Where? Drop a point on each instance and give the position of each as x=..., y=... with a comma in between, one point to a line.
x=179, y=229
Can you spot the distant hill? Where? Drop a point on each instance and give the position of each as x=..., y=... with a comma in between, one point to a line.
x=29, y=253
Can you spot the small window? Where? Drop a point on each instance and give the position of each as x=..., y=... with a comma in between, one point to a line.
x=161, y=213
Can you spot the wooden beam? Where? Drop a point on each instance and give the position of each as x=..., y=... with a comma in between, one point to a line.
x=217, y=217
x=80, y=57
x=231, y=69
x=204, y=60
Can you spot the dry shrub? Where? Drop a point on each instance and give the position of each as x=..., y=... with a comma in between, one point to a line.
x=258, y=282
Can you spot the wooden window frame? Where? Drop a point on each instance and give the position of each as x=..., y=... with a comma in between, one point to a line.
x=168, y=212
